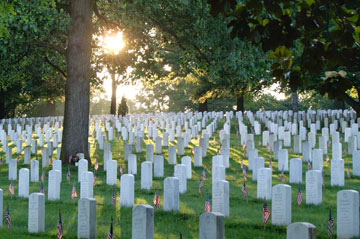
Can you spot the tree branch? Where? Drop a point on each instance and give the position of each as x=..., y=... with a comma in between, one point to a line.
x=51, y=46
x=57, y=68
x=103, y=18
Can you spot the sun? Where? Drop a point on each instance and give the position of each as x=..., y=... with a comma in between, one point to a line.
x=113, y=42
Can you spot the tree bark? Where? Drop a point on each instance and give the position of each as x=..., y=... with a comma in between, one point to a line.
x=295, y=101
x=203, y=106
x=77, y=89
x=240, y=103
x=354, y=104
x=113, y=94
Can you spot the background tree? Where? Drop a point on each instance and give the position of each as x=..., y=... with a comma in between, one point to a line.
x=123, y=107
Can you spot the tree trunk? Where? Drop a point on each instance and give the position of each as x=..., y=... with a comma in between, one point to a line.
x=50, y=108
x=203, y=106
x=113, y=94
x=295, y=101
x=240, y=103
x=77, y=89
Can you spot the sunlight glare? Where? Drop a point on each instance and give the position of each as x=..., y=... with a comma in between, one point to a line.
x=113, y=42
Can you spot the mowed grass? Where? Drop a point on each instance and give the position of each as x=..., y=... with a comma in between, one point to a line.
x=245, y=219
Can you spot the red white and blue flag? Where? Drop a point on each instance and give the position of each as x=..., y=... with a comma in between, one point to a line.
x=11, y=189
x=96, y=166
x=73, y=192
x=113, y=198
x=7, y=217
x=110, y=234
x=68, y=177
x=331, y=224
x=243, y=189
x=244, y=174
x=42, y=176
x=200, y=186
x=42, y=188
x=266, y=213
x=309, y=164
x=156, y=200
x=207, y=203
x=299, y=197
x=204, y=174
x=282, y=176
x=59, y=227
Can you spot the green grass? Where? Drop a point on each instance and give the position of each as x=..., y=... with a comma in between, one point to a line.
x=245, y=219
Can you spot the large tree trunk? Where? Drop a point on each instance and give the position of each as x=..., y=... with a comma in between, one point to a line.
x=113, y=95
x=339, y=104
x=77, y=90
x=203, y=106
x=295, y=101
x=240, y=103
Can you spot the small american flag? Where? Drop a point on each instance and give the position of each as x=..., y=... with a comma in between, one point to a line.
x=218, y=152
x=113, y=198
x=244, y=174
x=59, y=227
x=331, y=224
x=290, y=149
x=156, y=200
x=11, y=189
x=73, y=193
x=1, y=161
x=282, y=176
x=242, y=163
x=42, y=176
x=68, y=177
x=259, y=143
x=70, y=157
x=7, y=217
x=244, y=190
x=327, y=158
x=309, y=165
x=267, y=147
x=329, y=144
x=121, y=170
x=200, y=186
x=299, y=197
x=244, y=147
x=96, y=166
x=270, y=165
x=266, y=213
x=214, y=140
x=42, y=188
x=18, y=158
x=203, y=174
x=110, y=234
x=94, y=179
x=345, y=151
x=207, y=203
x=193, y=151
x=245, y=155
x=348, y=172
x=119, y=153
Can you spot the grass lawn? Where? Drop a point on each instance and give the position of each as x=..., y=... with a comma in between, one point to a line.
x=245, y=219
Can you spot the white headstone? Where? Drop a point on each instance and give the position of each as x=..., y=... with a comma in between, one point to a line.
x=34, y=171
x=143, y=222
x=24, y=182
x=301, y=230
x=82, y=167
x=13, y=169
x=348, y=214
x=127, y=182
x=337, y=172
x=86, y=218
x=264, y=183
x=132, y=167
x=146, y=175
x=171, y=194
x=111, y=172
x=259, y=163
x=211, y=226
x=281, y=205
x=180, y=173
x=197, y=156
x=172, y=155
x=295, y=170
x=54, y=185
x=36, y=215
x=57, y=165
x=220, y=197
x=186, y=160
x=313, y=187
